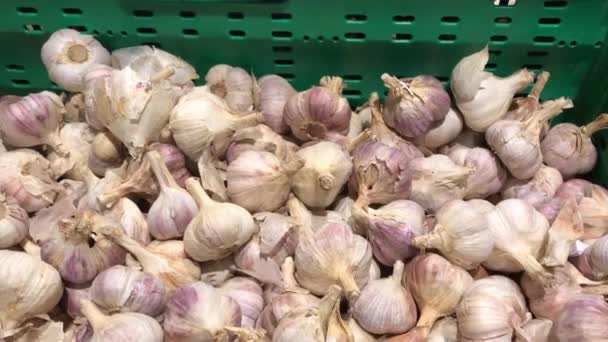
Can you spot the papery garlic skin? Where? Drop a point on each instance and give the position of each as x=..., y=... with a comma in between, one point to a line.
x=122, y=327
x=332, y=255
x=233, y=84
x=443, y=133
x=32, y=120
x=582, y=319
x=437, y=180
x=519, y=233
x=391, y=229
x=475, y=90
x=199, y=312
x=248, y=295
x=536, y=191
x=537, y=330
x=67, y=54
x=326, y=169
x=77, y=138
x=28, y=287
x=437, y=286
x=414, y=105
x=92, y=75
x=273, y=92
x=13, y=222
x=314, y=113
x=491, y=308
x=380, y=174
x=385, y=306
x=121, y=289
x=259, y=181
x=132, y=220
x=461, y=235
x=488, y=174
x=218, y=229
x=278, y=236
x=259, y=138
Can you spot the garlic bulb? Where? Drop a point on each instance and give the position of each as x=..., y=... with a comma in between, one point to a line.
x=259, y=138
x=582, y=319
x=233, y=84
x=175, y=161
x=380, y=174
x=272, y=94
x=138, y=179
x=318, y=111
x=437, y=180
x=247, y=293
x=569, y=148
x=13, y=222
x=28, y=287
x=437, y=287
x=28, y=177
x=524, y=106
x=309, y=325
x=326, y=169
x=121, y=289
x=95, y=73
x=593, y=263
x=259, y=181
x=519, y=233
x=201, y=119
x=391, y=229
x=106, y=153
x=199, y=312
x=67, y=54
x=32, y=120
x=482, y=97
x=461, y=234
x=517, y=143
x=174, y=208
x=172, y=267
x=443, y=133
x=535, y=191
x=492, y=308
x=414, y=105
x=74, y=253
x=332, y=255
x=488, y=175
x=385, y=306
x=121, y=327
x=76, y=137
x=131, y=219
x=218, y=229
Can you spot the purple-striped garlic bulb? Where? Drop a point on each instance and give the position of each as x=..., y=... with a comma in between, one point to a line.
x=271, y=96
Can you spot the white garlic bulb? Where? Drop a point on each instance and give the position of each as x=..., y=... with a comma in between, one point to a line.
x=199, y=312
x=121, y=327
x=519, y=233
x=28, y=287
x=218, y=229
x=233, y=84
x=385, y=306
x=259, y=181
x=13, y=222
x=443, y=133
x=492, y=308
x=437, y=180
x=461, y=234
x=482, y=97
x=67, y=54
x=122, y=289
x=326, y=169
x=201, y=119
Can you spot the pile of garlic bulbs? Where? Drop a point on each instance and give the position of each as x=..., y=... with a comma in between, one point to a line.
x=141, y=207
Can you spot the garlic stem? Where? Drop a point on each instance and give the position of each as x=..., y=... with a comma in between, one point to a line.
x=198, y=193
x=395, y=85
x=601, y=290
x=146, y=258
x=358, y=140
x=327, y=181
x=247, y=121
x=539, y=85
x=548, y=110
x=136, y=182
x=347, y=281
x=288, y=270
x=362, y=201
x=96, y=318
x=428, y=317
x=534, y=268
x=328, y=302
x=30, y=247
x=298, y=211
x=332, y=83
x=293, y=166
x=397, y=275
x=600, y=122
x=434, y=239
x=163, y=176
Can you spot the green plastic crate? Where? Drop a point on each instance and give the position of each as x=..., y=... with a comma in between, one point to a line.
x=356, y=39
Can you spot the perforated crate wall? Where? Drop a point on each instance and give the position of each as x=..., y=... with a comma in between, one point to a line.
x=356, y=39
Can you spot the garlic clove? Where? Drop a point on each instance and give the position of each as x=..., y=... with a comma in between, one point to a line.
x=67, y=54
x=414, y=105
x=385, y=306
x=218, y=229
x=468, y=74
x=326, y=169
